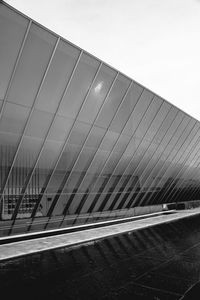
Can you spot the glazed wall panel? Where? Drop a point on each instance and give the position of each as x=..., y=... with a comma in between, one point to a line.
x=79, y=86
x=57, y=77
x=12, y=32
x=34, y=59
x=78, y=137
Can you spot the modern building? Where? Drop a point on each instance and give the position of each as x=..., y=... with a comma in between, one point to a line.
x=81, y=142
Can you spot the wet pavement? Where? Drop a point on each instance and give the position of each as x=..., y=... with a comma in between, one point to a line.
x=159, y=262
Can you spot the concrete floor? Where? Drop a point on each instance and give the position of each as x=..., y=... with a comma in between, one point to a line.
x=17, y=249
x=139, y=261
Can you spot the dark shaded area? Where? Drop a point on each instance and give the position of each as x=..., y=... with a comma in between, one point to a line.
x=193, y=293
x=161, y=262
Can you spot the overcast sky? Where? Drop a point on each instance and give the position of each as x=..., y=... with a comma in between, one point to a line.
x=155, y=42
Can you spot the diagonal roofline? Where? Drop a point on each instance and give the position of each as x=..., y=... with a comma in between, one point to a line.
x=88, y=53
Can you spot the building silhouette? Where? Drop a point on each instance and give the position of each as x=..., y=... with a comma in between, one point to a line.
x=81, y=142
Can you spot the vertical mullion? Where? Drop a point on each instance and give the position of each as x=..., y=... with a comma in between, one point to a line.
x=183, y=165
x=141, y=201
x=102, y=139
x=22, y=135
x=168, y=168
x=194, y=172
x=111, y=152
x=188, y=168
x=190, y=188
x=143, y=138
x=30, y=114
x=8, y=89
x=15, y=68
x=82, y=147
x=63, y=147
x=117, y=184
x=193, y=189
x=152, y=195
x=158, y=145
x=141, y=160
x=160, y=154
x=52, y=122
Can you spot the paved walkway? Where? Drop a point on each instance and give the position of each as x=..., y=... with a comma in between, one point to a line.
x=22, y=248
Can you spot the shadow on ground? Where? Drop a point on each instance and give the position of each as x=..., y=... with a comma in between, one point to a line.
x=161, y=262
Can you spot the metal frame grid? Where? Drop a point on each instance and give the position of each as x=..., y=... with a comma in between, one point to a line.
x=178, y=162
x=157, y=147
x=190, y=190
x=115, y=192
x=119, y=203
x=132, y=158
x=141, y=201
x=158, y=160
x=143, y=198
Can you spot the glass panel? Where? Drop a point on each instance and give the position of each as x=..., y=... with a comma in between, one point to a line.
x=57, y=77
x=39, y=124
x=170, y=166
x=158, y=122
x=44, y=167
x=74, y=205
x=97, y=94
x=139, y=132
x=22, y=167
x=148, y=117
x=191, y=143
x=14, y=118
x=118, y=151
x=120, y=166
x=7, y=150
x=125, y=180
x=132, y=146
x=79, y=86
x=95, y=137
x=165, y=126
x=176, y=139
x=126, y=108
x=138, y=112
x=60, y=205
x=192, y=155
x=26, y=157
x=33, y=62
x=146, y=148
x=49, y=155
x=109, y=141
x=112, y=103
x=80, y=169
x=91, y=177
x=187, y=133
x=63, y=168
x=122, y=143
x=158, y=170
x=94, y=169
x=60, y=128
x=107, y=168
x=86, y=156
x=79, y=133
x=140, y=143
x=12, y=31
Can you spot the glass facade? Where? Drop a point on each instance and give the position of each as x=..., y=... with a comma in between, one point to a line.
x=79, y=141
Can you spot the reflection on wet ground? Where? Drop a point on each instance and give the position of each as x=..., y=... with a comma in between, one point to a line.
x=161, y=262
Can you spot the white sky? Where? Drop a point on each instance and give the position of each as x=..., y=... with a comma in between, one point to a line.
x=155, y=42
